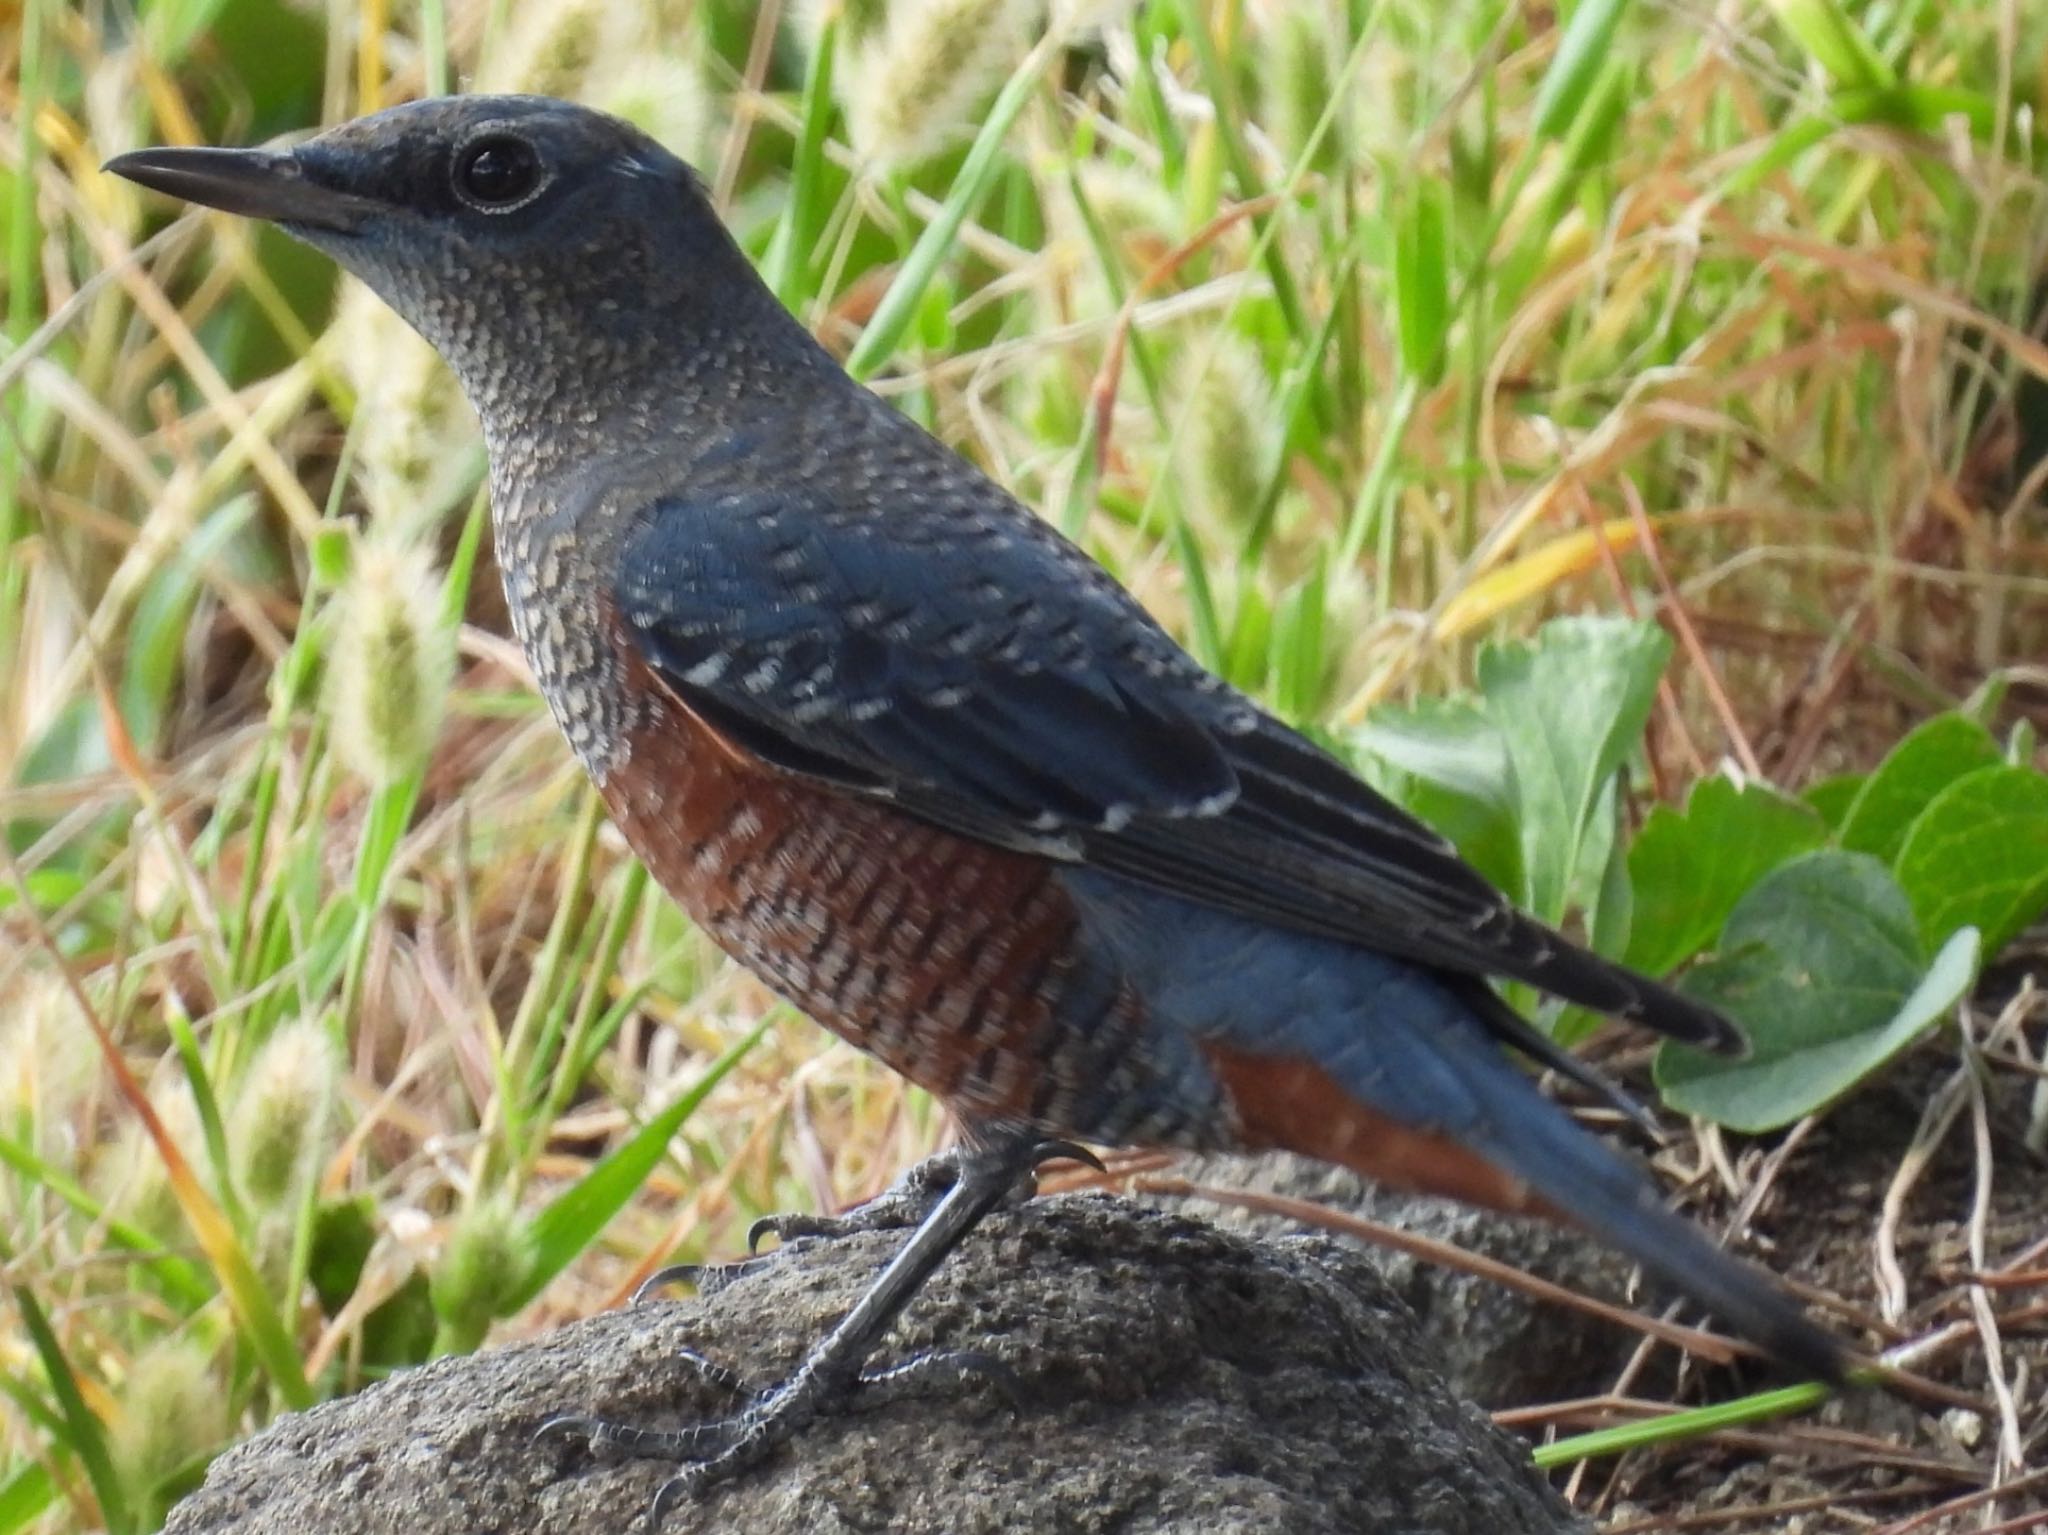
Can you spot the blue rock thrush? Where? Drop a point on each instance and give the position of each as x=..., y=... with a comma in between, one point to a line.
x=918, y=762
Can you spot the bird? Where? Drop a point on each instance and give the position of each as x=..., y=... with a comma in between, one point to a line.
x=922, y=765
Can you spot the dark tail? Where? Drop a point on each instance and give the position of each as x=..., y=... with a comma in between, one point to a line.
x=1582, y=1179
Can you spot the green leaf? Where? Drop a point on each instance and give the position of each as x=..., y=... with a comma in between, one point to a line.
x=1832, y=40
x=28, y=1490
x=1832, y=797
x=82, y=1432
x=1443, y=761
x=1933, y=756
x=1691, y=867
x=1978, y=856
x=900, y=304
x=1570, y=707
x=1821, y=963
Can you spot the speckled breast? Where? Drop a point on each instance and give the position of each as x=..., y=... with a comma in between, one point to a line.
x=959, y=965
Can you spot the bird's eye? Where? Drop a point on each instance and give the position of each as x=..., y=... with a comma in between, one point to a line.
x=497, y=173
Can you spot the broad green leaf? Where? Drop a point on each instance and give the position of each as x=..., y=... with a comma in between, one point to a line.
x=1933, y=756
x=1690, y=867
x=1570, y=707
x=28, y=1490
x=1594, y=873
x=1448, y=741
x=1978, y=856
x=1821, y=963
x=1610, y=912
x=1442, y=760
x=1832, y=797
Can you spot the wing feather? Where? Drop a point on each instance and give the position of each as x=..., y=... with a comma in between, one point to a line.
x=1013, y=694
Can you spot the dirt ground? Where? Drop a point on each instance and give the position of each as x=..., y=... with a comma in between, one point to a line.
x=1931, y=1161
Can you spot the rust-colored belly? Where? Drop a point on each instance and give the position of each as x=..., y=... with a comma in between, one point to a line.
x=946, y=959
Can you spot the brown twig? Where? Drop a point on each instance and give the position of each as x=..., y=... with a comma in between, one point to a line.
x=1447, y=1255
x=1825, y=1502
x=1688, y=636
x=1102, y=393
x=1929, y=1517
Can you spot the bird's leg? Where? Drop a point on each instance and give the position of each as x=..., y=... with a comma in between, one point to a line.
x=834, y=1374
x=910, y=1200
x=907, y=1202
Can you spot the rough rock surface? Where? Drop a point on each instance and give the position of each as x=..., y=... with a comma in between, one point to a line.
x=1175, y=1377
x=1497, y=1346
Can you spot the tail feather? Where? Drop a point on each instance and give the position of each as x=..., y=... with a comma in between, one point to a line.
x=1397, y=1072
x=1593, y=1186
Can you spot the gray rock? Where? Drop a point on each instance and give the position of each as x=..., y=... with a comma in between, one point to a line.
x=1176, y=1378
x=1497, y=1346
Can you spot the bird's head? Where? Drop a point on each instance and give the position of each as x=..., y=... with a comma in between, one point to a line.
x=532, y=241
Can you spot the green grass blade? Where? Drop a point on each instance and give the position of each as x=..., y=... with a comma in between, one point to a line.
x=1582, y=52
x=899, y=306
x=1675, y=1428
x=787, y=264
x=1832, y=40
x=568, y=1225
x=84, y=1434
x=25, y=1496
x=1229, y=121
x=182, y=1279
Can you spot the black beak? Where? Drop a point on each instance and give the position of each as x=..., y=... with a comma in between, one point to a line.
x=258, y=183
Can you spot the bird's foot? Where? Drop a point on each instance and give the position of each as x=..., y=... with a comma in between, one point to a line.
x=715, y=1451
x=835, y=1372
x=909, y=1201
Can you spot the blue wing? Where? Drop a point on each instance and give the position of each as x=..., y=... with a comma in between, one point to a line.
x=977, y=670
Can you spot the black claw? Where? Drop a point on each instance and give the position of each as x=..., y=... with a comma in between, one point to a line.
x=568, y=1425
x=944, y=1199
x=708, y=1278
x=790, y=1228
x=677, y=1489
x=676, y=1273
x=1065, y=1151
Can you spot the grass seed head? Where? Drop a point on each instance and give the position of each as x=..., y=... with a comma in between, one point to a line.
x=1297, y=59
x=173, y=1412
x=49, y=1066
x=285, y=1111
x=483, y=1264
x=391, y=663
x=913, y=88
x=1232, y=428
x=131, y=1172
x=415, y=435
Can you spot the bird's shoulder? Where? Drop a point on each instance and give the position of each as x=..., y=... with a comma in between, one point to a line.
x=871, y=540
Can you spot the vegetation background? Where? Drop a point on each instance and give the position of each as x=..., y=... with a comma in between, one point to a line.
x=336, y=1027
